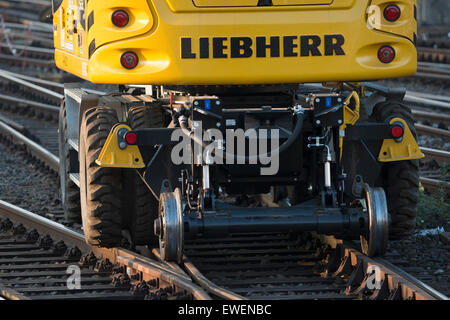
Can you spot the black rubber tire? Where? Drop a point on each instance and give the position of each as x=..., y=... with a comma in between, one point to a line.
x=69, y=191
x=400, y=179
x=142, y=205
x=100, y=187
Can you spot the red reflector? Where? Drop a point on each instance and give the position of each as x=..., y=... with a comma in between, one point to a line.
x=129, y=60
x=397, y=131
x=386, y=54
x=120, y=18
x=131, y=138
x=392, y=13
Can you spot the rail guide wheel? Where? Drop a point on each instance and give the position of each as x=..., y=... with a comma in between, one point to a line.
x=375, y=242
x=169, y=226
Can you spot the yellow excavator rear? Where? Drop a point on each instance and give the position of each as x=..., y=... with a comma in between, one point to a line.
x=223, y=98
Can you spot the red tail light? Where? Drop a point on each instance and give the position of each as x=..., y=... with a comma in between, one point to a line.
x=386, y=54
x=120, y=18
x=131, y=138
x=397, y=131
x=129, y=60
x=392, y=13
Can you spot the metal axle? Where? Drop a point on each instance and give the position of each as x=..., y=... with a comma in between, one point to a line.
x=370, y=222
x=299, y=219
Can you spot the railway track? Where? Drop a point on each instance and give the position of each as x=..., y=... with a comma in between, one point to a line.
x=433, y=71
x=35, y=253
x=437, y=55
x=37, y=257
x=25, y=11
x=432, y=131
x=286, y=266
x=249, y=267
x=246, y=266
x=432, y=181
x=440, y=156
x=43, y=260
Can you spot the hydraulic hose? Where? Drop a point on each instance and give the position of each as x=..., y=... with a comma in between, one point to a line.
x=247, y=159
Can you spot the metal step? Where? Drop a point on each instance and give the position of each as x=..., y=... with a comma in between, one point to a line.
x=74, y=144
x=75, y=177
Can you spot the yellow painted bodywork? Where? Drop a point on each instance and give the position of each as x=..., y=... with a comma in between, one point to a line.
x=114, y=157
x=156, y=27
x=407, y=149
x=403, y=26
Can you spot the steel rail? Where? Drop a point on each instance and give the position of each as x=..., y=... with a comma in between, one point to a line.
x=47, y=41
x=428, y=102
x=431, y=75
x=433, y=65
x=16, y=126
x=49, y=83
x=38, y=2
x=34, y=25
x=427, y=130
x=30, y=49
x=9, y=76
x=440, y=156
x=207, y=284
x=36, y=80
x=434, y=54
x=412, y=287
x=28, y=61
x=429, y=96
x=430, y=116
x=389, y=271
x=35, y=149
x=131, y=260
x=434, y=70
x=34, y=104
x=429, y=290
x=434, y=184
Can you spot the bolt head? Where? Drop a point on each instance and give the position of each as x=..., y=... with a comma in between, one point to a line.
x=218, y=124
x=122, y=145
x=340, y=121
x=317, y=121
x=217, y=102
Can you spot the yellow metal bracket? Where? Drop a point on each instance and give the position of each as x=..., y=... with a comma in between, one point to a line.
x=407, y=149
x=350, y=116
x=115, y=157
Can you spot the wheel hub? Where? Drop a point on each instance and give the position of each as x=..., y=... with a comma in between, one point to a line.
x=169, y=226
x=375, y=242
